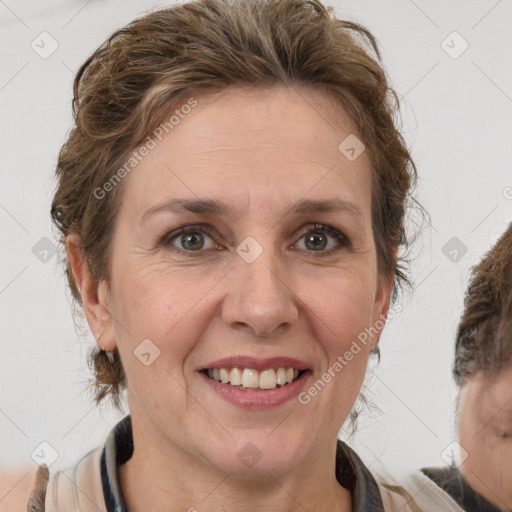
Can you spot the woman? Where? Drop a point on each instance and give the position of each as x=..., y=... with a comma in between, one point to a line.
x=482, y=479
x=232, y=200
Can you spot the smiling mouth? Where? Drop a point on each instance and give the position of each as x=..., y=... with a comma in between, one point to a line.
x=251, y=379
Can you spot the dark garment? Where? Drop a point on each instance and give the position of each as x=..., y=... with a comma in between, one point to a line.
x=351, y=473
x=452, y=482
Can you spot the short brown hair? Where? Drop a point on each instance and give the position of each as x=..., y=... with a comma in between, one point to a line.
x=129, y=85
x=484, y=334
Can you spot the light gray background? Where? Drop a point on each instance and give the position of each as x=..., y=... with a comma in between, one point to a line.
x=457, y=120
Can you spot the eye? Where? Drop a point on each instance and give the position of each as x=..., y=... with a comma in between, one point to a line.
x=317, y=239
x=190, y=239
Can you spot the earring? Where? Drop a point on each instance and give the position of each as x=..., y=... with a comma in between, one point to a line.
x=98, y=336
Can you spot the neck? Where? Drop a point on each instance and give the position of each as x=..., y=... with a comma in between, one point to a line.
x=171, y=479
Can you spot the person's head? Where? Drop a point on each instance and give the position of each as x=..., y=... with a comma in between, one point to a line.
x=268, y=108
x=483, y=373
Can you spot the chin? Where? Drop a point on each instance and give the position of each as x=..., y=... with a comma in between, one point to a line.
x=253, y=456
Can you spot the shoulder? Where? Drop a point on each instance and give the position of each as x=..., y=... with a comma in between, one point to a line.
x=78, y=488
x=413, y=491
x=85, y=486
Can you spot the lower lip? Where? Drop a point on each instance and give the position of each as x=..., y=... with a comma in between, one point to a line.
x=258, y=400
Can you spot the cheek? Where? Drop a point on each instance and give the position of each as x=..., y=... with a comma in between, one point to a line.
x=155, y=304
x=348, y=306
x=155, y=319
x=466, y=423
x=346, y=325
x=153, y=295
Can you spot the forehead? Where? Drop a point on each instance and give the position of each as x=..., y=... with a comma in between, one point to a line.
x=255, y=144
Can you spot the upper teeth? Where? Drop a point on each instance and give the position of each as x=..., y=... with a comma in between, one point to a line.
x=250, y=378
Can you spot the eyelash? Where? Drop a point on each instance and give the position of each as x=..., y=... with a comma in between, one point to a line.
x=167, y=239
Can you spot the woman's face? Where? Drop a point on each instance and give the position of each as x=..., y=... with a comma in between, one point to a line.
x=253, y=283
x=485, y=434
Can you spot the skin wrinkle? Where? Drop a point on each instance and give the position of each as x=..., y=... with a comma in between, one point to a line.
x=217, y=208
x=199, y=309
x=356, y=235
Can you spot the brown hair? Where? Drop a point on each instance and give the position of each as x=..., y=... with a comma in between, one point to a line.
x=130, y=84
x=484, y=334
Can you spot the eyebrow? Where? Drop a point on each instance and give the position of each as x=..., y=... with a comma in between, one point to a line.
x=221, y=208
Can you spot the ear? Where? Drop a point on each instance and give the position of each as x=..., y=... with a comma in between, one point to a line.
x=94, y=295
x=382, y=302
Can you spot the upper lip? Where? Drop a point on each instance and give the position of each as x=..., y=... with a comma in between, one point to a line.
x=257, y=363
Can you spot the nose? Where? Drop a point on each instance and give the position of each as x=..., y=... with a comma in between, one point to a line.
x=260, y=301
